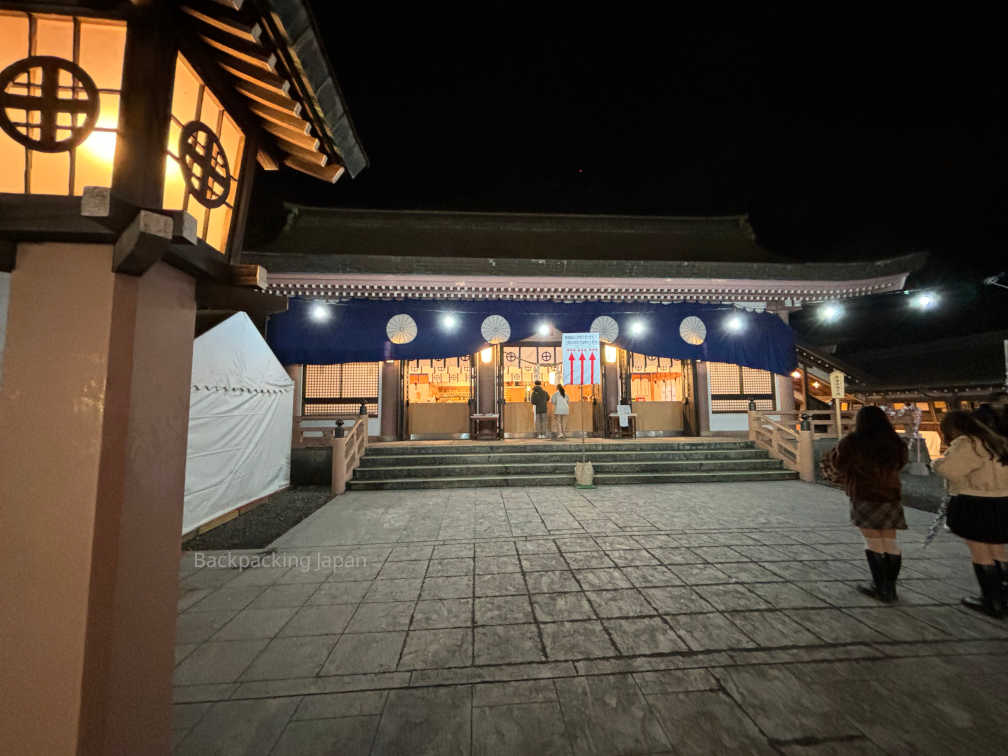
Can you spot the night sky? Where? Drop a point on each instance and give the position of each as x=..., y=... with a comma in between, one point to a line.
x=843, y=134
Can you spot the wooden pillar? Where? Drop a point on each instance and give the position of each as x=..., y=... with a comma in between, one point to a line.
x=95, y=408
x=390, y=398
x=701, y=389
x=486, y=385
x=784, y=384
x=296, y=373
x=806, y=456
x=145, y=107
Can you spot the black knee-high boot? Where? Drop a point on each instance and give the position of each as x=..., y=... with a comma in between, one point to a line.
x=893, y=563
x=1003, y=566
x=991, y=600
x=878, y=567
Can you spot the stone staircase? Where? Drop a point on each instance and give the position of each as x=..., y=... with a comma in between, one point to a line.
x=468, y=465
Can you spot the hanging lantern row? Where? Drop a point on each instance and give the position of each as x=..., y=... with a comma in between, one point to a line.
x=402, y=329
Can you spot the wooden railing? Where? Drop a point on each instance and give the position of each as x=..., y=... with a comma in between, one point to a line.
x=346, y=454
x=347, y=435
x=781, y=434
x=318, y=430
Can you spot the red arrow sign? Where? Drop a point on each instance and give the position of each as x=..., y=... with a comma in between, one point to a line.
x=571, y=376
x=582, y=368
x=591, y=359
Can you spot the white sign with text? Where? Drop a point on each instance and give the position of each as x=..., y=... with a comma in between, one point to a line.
x=582, y=363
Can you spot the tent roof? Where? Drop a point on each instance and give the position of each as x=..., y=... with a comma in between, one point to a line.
x=233, y=356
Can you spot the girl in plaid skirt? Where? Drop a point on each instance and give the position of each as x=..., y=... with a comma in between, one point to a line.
x=867, y=462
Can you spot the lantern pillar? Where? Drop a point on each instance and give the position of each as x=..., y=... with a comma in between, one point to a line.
x=94, y=407
x=94, y=404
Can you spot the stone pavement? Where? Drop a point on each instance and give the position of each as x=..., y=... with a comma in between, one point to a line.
x=627, y=619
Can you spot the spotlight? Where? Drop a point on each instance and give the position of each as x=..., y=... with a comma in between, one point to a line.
x=831, y=312
x=926, y=300
x=815, y=384
x=735, y=324
x=486, y=355
x=796, y=374
x=449, y=321
x=636, y=328
x=319, y=312
x=545, y=329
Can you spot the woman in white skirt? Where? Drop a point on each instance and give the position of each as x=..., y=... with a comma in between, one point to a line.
x=561, y=409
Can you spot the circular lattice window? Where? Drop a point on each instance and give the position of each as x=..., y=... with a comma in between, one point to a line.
x=401, y=329
x=204, y=165
x=693, y=330
x=606, y=328
x=495, y=329
x=53, y=103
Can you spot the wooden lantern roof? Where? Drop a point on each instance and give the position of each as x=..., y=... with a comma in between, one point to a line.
x=270, y=54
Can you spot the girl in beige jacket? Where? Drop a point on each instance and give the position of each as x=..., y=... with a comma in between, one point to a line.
x=976, y=468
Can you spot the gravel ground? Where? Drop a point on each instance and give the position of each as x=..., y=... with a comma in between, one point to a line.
x=261, y=526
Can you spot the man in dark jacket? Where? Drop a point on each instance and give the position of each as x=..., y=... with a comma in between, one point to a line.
x=540, y=399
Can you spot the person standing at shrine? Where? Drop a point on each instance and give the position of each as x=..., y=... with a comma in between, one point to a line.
x=540, y=399
x=561, y=409
x=867, y=462
x=976, y=468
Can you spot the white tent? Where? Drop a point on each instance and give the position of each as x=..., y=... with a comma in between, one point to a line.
x=240, y=416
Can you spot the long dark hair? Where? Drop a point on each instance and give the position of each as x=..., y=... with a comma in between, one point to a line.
x=560, y=388
x=958, y=423
x=989, y=415
x=875, y=439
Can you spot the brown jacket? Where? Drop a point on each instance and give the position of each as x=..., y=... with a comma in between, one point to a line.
x=862, y=477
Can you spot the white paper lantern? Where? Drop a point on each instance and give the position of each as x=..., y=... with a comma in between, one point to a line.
x=692, y=330
x=495, y=329
x=607, y=328
x=401, y=329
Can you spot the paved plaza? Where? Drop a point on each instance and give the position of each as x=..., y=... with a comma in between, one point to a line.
x=705, y=618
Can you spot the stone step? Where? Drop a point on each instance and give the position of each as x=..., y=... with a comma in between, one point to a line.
x=570, y=454
x=559, y=468
x=399, y=449
x=568, y=480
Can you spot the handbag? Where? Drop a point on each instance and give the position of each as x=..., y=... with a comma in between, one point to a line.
x=828, y=468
